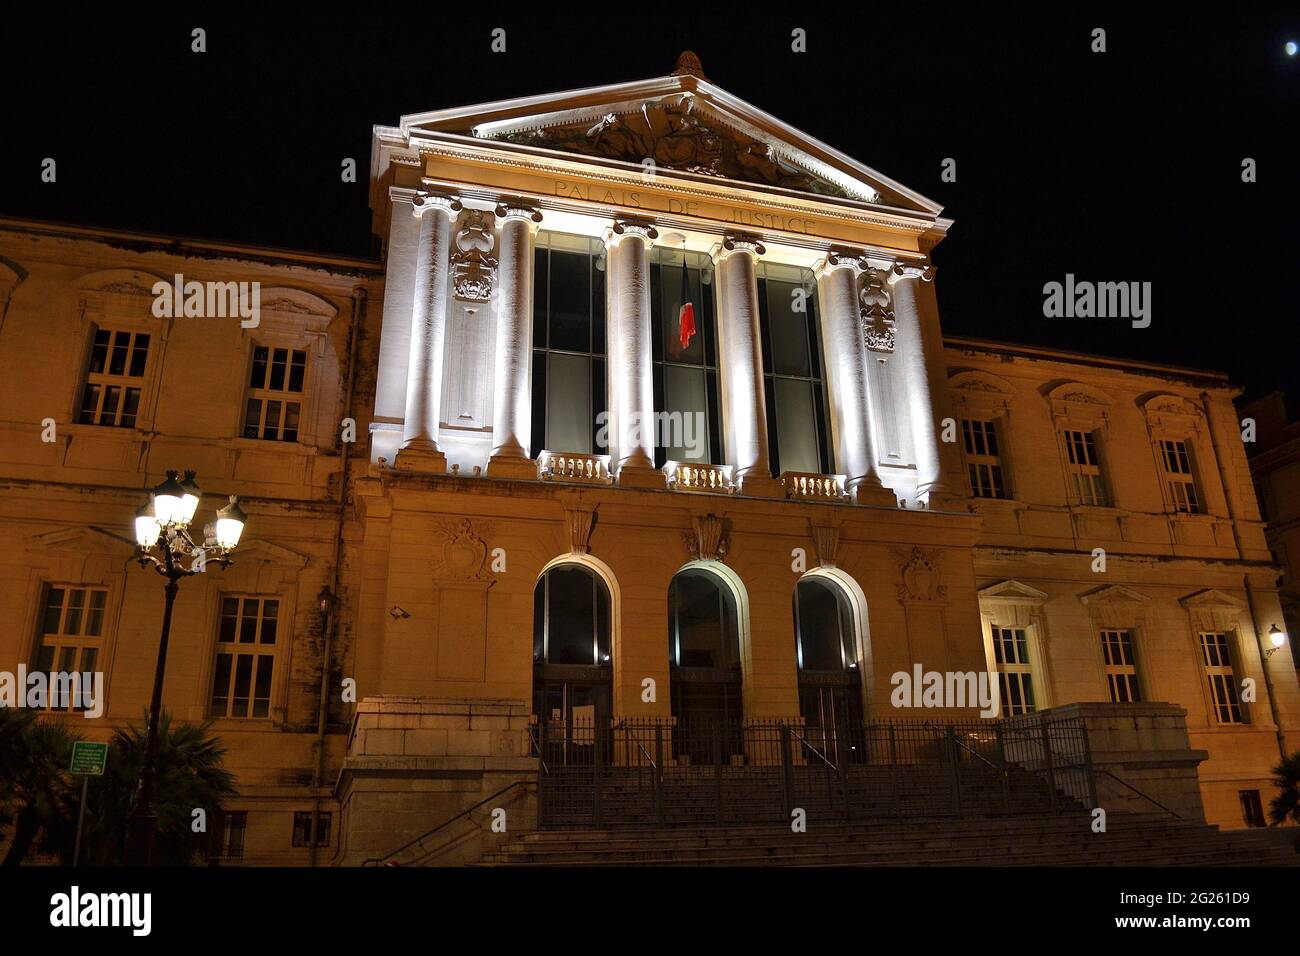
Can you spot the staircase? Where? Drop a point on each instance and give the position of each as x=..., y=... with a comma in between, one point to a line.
x=1065, y=839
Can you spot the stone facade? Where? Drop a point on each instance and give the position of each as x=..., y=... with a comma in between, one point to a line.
x=432, y=529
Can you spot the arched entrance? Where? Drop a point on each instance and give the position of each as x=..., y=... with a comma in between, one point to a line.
x=704, y=648
x=831, y=666
x=572, y=672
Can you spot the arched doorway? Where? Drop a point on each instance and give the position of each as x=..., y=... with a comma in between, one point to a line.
x=830, y=667
x=572, y=672
x=704, y=640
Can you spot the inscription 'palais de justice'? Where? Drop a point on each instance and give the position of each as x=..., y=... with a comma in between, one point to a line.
x=685, y=207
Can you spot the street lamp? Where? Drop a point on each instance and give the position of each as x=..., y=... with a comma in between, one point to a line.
x=1277, y=637
x=162, y=526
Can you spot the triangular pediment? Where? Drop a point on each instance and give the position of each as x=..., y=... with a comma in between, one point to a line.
x=686, y=126
x=1212, y=598
x=259, y=550
x=1115, y=594
x=81, y=539
x=1013, y=592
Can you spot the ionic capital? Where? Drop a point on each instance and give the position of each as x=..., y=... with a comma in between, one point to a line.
x=423, y=201
x=738, y=242
x=625, y=228
x=510, y=209
x=912, y=270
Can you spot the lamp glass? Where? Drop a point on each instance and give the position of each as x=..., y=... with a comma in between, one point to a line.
x=1277, y=636
x=147, y=530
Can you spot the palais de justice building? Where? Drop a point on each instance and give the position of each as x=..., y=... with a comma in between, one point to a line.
x=497, y=480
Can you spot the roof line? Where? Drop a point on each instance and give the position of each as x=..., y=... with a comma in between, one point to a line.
x=1089, y=358
x=174, y=243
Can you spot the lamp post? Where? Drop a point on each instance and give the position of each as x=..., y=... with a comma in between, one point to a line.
x=163, y=526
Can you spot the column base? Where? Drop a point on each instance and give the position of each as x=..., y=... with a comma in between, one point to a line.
x=512, y=466
x=761, y=486
x=640, y=476
x=869, y=491
x=428, y=460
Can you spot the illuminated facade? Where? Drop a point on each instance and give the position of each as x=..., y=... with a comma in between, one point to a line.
x=570, y=496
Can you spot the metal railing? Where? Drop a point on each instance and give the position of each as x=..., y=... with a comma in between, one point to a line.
x=630, y=772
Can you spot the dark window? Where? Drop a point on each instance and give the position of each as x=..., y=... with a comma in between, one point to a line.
x=275, y=384
x=568, y=344
x=245, y=662
x=685, y=377
x=302, y=828
x=572, y=617
x=111, y=395
x=797, y=425
x=824, y=628
x=1252, y=808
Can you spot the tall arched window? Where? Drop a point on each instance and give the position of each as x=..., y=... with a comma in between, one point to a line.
x=830, y=673
x=571, y=647
x=704, y=660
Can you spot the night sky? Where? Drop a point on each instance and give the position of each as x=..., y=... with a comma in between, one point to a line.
x=1121, y=166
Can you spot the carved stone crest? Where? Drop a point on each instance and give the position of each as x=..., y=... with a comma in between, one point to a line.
x=462, y=554
x=473, y=268
x=921, y=578
x=876, y=311
x=708, y=539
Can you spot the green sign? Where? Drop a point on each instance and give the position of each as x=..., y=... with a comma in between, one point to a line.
x=89, y=758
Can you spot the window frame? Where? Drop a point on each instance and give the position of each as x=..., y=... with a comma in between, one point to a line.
x=1129, y=671
x=259, y=653
x=1095, y=471
x=994, y=462
x=1181, y=488
x=264, y=394
x=104, y=380
x=79, y=642
x=1210, y=671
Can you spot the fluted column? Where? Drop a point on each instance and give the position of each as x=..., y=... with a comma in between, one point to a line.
x=512, y=412
x=910, y=351
x=846, y=370
x=740, y=349
x=420, y=450
x=631, y=382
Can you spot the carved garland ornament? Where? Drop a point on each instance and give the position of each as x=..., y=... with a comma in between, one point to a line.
x=876, y=310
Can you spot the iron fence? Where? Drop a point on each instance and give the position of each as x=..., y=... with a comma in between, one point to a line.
x=646, y=772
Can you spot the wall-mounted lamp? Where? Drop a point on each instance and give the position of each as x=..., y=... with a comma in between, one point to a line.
x=1277, y=637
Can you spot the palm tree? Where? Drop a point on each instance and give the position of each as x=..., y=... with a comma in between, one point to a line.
x=38, y=796
x=190, y=777
x=1286, y=805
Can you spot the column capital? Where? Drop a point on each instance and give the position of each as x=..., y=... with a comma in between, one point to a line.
x=737, y=242
x=920, y=269
x=854, y=259
x=623, y=228
x=514, y=209
x=423, y=201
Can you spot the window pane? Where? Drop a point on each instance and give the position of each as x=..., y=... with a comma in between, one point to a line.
x=271, y=427
x=297, y=371
x=53, y=611
x=248, y=625
x=99, y=351
x=291, y=421
x=221, y=686
x=270, y=612
x=129, y=408
x=570, y=301
x=76, y=602
x=818, y=626
x=108, y=414
x=259, y=367
x=118, y=356
x=686, y=402
x=262, y=690
x=789, y=330
x=89, y=404
x=569, y=420
x=571, y=616
x=279, y=359
x=139, y=353
x=796, y=423
x=243, y=682
x=95, y=616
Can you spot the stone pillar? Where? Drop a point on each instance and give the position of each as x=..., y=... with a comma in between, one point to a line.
x=420, y=450
x=846, y=372
x=512, y=407
x=740, y=350
x=631, y=381
x=910, y=351
x=395, y=336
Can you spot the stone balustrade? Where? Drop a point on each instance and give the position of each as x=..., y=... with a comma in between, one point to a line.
x=694, y=476
x=801, y=484
x=575, y=466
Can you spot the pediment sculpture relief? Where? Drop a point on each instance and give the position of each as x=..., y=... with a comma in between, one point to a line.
x=674, y=136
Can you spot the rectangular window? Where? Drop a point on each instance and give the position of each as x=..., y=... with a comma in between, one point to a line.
x=302, y=828
x=114, y=378
x=1177, y=462
x=568, y=344
x=1252, y=808
x=275, y=386
x=1121, y=666
x=1015, y=678
x=798, y=431
x=685, y=376
x=245, y=663
x=983, y=462
x=71, y=635
x=1217, y=658
x=1085, y=468
x=233, y=826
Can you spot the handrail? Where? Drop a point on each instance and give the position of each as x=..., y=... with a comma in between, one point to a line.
x=622, y=725
x=1174, y=813
x=813, y=749
x=442, y=826
x=972, y=751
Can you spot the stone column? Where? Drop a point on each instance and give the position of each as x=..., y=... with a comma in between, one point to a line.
x=631, y=381
x=846, y=371
x=395, y=336
x=740, y=350
x=420, y=450
x=911, y=352
x=512, y=407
